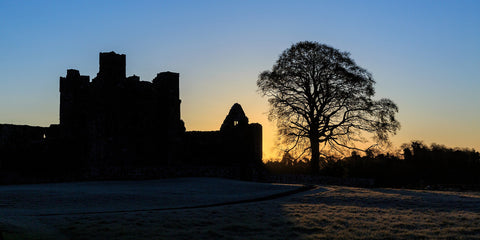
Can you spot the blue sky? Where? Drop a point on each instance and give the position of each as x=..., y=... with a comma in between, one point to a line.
x=424, y=55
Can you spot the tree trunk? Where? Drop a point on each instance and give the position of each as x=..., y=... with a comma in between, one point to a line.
x=315, y=161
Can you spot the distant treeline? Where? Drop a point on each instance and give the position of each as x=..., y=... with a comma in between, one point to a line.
x=418, y=166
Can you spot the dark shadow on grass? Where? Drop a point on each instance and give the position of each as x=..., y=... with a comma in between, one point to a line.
x=398, y=199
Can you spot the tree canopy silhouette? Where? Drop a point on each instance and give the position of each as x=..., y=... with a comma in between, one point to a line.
x=318, y=96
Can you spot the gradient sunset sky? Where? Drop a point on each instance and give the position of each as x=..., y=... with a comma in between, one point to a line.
x=424, y=55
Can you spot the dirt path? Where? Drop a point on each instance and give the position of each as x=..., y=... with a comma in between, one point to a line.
x=303, y=188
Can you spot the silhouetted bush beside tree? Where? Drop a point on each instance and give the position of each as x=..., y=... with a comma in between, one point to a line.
x=289, y=165
x=418, y=166
x=440, y=164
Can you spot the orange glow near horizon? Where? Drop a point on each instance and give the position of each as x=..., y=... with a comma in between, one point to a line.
x=211, y=118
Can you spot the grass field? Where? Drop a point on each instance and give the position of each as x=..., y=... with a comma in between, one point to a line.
x=328, y=212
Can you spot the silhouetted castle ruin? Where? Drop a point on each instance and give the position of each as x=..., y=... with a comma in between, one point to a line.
x=119, y=123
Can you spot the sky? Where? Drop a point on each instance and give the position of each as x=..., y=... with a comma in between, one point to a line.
x=424, y=55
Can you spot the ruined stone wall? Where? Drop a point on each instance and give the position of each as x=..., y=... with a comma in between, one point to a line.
x=30, y=153
x=203, y=148
x=122, y=123
x=243, y=144
x=20, y=146
x=256, y=141
x=119, y=120
x=237, y=143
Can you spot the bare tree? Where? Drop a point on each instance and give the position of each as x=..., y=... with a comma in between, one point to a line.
x=318, y=95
